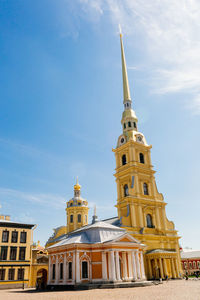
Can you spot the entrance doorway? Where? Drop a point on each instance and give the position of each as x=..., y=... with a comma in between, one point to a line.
x=41, y=281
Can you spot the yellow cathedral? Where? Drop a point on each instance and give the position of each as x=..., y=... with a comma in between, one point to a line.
x=141, y=208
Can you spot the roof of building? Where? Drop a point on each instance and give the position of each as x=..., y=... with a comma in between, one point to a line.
x=99, y=232
x=190, y=254
x=113, y=221
x=8, y=223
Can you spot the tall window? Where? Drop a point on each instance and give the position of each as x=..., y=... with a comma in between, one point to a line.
x=149, y=221
x=71, y=218
x=124, y=125
x=85, y=218
x=134, y=125
x=54, y=271
x=2, y=274
x=129, y=124
x=145, y=188
x=123, y=159
x=79, y=218
x=4, y=251
x=20, y=274
x=23, y=237
x=11, y=274
x=84, y=269
x=13, y=253
x=61, y=270
x=22, y=253
x=70, y=270
x=5, y=236
x=125, y=190
x=14, y=237
x=141, y=158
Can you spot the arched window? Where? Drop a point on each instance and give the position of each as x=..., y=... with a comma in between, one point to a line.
x=70, y=270
x=84, y=269
x=123, y=159
x=61, y=270
x=129, y=124
x=149, y=221
x=71, y=218
x=145, y=188
x=141, y=158
x=134, y=125
x=79, y=218
x=125, y=190
x=124, y=125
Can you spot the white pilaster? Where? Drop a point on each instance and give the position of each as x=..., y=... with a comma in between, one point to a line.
x=104, y=266
x=77, y=267
x=142, y=265
x=112, y=276
x=134, y=266
x=137, y=264
x=57, y=270
x=117, y=265
x=124, y=265
x=130, y=267
x=64, y=269
x=73, y=266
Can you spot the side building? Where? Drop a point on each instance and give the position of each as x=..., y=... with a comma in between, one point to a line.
x=15, y=253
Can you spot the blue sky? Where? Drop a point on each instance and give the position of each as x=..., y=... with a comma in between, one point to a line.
x=61, y=104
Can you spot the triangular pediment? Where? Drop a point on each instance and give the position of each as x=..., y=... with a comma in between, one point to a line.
x=125, y=238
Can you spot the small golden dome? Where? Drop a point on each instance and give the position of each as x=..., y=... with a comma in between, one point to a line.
x=77, y=186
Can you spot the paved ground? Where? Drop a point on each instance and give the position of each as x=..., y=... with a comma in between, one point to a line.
x=171, y=290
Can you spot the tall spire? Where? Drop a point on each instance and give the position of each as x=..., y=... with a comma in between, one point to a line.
x=126, y=90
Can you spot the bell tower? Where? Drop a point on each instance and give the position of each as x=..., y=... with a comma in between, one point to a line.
x=77, y=210
x=141, y=208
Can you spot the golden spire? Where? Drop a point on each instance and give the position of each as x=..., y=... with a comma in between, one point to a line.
x=77, y=185
x=126, y=90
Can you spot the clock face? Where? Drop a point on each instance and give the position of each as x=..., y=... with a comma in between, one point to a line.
x=139, y=139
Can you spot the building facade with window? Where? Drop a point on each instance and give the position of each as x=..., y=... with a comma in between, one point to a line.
x=15, y=253
x=99, y=252
x=141, y=208
x=190, y=260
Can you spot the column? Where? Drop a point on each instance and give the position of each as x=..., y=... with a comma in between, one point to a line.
x=130, y=268
x=112, y=276
x=64, y=269
x=176, y=265
x=73, y=266
x=161, y=268
x=77, y=267
x=165, y=267
x=57, y=270
x=134, y=266
x=124, y=265
x=133, y=216
x=117, y=265
x=104, y=266
x=157, y=218
x=49, y=270
x=140, y=216
x=173, y=270
x=137, y=264
x=142, y=265
x=149, y=266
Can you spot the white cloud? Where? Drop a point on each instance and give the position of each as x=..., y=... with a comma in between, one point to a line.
x=48, y=200
x=169, y=33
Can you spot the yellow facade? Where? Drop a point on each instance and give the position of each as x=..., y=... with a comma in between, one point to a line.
x=15, y=253
x=141, y=208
